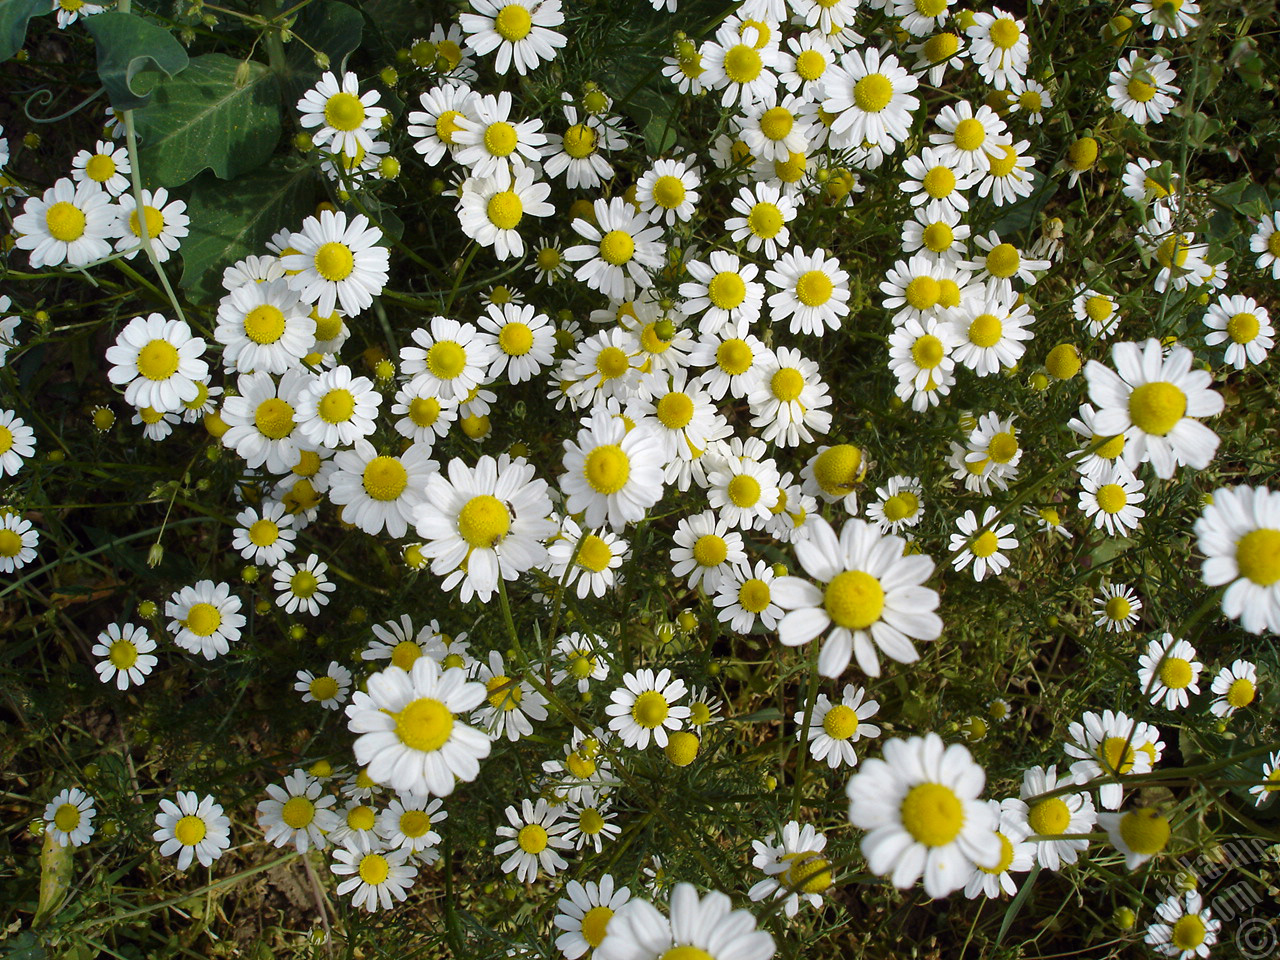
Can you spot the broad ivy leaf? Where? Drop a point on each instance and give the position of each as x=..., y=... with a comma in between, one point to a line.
x=14, y=15
x=132, y=55
x=230, y=221
x=204, y=119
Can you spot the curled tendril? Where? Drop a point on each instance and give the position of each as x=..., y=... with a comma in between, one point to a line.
x=46, y=97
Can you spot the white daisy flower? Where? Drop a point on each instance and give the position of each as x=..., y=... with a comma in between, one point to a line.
x=450, y=361
x=336, y=409
x=735, y=64
x=1001, y=262
x=1168, y=671
x=69, y=11
x=336, y=262
x=435, y=126
x=835, y=727
x=379, y=491
x=409, y=822
x=487, y=138
x=999, y=45
x=490, y=209
x=18, y=542
x=410, y=732
x=511, y=702
x=612, y=473
x=935, y=179
x=745, y=596
x=108, y=166
x=592, y=821
x=732, y=361
x=1265, y=242
x=303, y=588
x=377, y=878
x=519, y=30
x=1239, y=536
x=264, y=535
x=1182, y=260
x=1152, y=400
x=668, y=191
x=346, y=120
x=525, y=341
x=623, y=246
x=534, y=839
x=1142, y=88
x=870, y=97
x=991, y=329
x=585, y=561
x=982, y=549
x=743, y=491
x=1061, y=815
x=724, y=292
x=1234, y=688
x=69, y=223
x=205, y=618
x=1109, y=746
x=296, y=814
x=584, y=914
x=1116, y=608
x=166, y=223
x=901, y=504
x=945, y=49
x=1140, y=833
x=1098, y=311
x=1106, y=458
x=581, y=658
x=1017, y=855
x=920, y=805
x=126, y=653
x=264, y=326
x=193, y=828
x=1244, y=326
x=764, y=212
x=872, y=596
x=802, y=69
x=793, y=865
x=699, y=927
x=925, y=288
x=68, y=817
x=1009, y=177
x=356, y=831
x=920, y=357
x=397, y=642
x=814, y=291
x=1113, y=501
x=936, y=229
x=1185, y=928
x=970, y=139
x=260, y=420
x=644, y=708
x=329, y=688
x=158, y=361
x=788, y=398
x=707, y=550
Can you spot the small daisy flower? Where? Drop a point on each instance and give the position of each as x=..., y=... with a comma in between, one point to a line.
x=260, y=420
x=584, y=914
x=296, y=814
x=1116, y=608
x=697, y=927
x=336, y=261
x=1181, y=259
x=525, y=341
x=264, y=326
x=158, y=361
x=166, y=223
x=611, y=473
x=484, y=523
x=579, y=658
x=870, y=96
x=734, y=63
x=623, y=246
x=193, y=828
x=1110, y=745
x=264, y=535
x=1244, y=326
x=723, y=293
x=920, y=357
x=490, y=209
x=336, y=409
x=1056, y=816
x=920, y=805
x=764, y=212
x=991, y=328
x=1262, y=792
x=549, y=263
x=435, y=126
x=68, y=817
x=645, y=708
x=205, y=618
x=1234, y=688
x=732, y=361
x=983, y=550
x=69, y=223
x=1185, y=928
x=347, y=121
x=1142, y=88
x=519, y=30
x=534, y=839
x=69, y=11
x=774, y=129
x=18, y=542
x=793, y=866
x=668, y=191
x=303, y=588
x=378, y=491
x=411, y=734
x=1139, y=833
x=942, y=51
x=788, y=398
x=1113, y=504
x=377, y=878
x=814, y=291
x=1265, y=242
x=1152, y=400
x=745, y=597
x=704, y=707
x=935, y=228
x=707, y=550
x=409, y=823
x=156, y=424
x=1017, y=854
x=924, y=288
x=126, y=653
x=802, y=69
x=585, y=560
x=970, y=140
x=511, y=703
x=487, y=138
x=1000, y=262
x=329, y=688
x=999, y=45
x=900, y=504
x=1098, y=311
x=357, y=828
x=591, y=821
x=1239, y=536
x=872, y=596
x=108, y=166
x=835, y=727
x=936, y=179
x=450, y=361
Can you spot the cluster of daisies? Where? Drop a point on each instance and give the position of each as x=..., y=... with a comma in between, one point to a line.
x=695, y=377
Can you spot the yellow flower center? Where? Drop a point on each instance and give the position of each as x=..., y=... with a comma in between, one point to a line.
x=1003, y=260
x=941, y=46
x=807, y=872
x=810, y=65
x=304, y=584
x=1240, y=693
x=814, y=288
x=939, y=182
x=986, y=331
x=1118, y=608
x=1175, y=673
x=1116, y=754
x=1156, y=407
x=841, y=722
x=617, y=247
x=650, y=709
x=668, y=192
x=1050, y=817
x=765, y=220
x=424, y=411
x=190, y=830
x=1273, y=243
x=483, y=521
x=447, y=126
x=344, y=111
x=607, y=468
x=922, y=292
x=361, y=818
x=264, y=324
x=323, y=688
x=123, y=654
x=744, y=490
x=424, y=724
x=65, y=221
x=67, y=817
x=938, y=236
x=970, y=134
x=710, y=550
x=404, y=653
x=1140, y=90
x=513, y=23
x=932, y=814
x=1003, y=447
x=334, y=261
x=1188, y=932
x=1173, y=252
x=726, y=290
x=298, y=812
x=446, y=360
x=734, y=356
x=590, y=822
x=1005, y=33
x=595, y=924
x=901, y=505
x=1099, y=309
x=836, y=469
x=504, y=693
x=675, y=410
x=742, y=64
x=155, y=222
x=532, y=838
x=158, y=360
x=336, y=406
x=594, y=554
x=385, y=478
x=579, y=141
x=203, y=619
x=776, y=123
x=872, y=93
x=787, y=384
x=100, y=168
x=10, y=542
x=927, y=352
x=1258, y=556
x=854, y=599
x=1144, y=831
x=500, y=138
x=505, y=210
x=1006, y=857
x=1243, y=327
x=754, y=595
x=686, y=953
x=985, y=545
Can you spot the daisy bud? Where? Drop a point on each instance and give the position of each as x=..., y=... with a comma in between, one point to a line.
x=682, y=748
